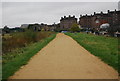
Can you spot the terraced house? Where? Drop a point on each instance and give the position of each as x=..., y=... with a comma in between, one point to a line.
x=67, y=22
x=97, y=19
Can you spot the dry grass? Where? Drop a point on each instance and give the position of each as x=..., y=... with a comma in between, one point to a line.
x=21, y=39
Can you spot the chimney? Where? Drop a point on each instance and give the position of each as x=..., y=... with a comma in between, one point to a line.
x=73, y=16
x=86, y=14
x=101, y=13
x=80, y=15
x=69, y=16
x=115, y=10
x=64, y=16
x=94, y=13
x=108, y=11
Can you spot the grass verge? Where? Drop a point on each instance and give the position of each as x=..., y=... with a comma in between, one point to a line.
x=106, y=48
x=22, y=56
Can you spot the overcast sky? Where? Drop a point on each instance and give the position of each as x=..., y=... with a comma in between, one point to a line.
x=16, y=13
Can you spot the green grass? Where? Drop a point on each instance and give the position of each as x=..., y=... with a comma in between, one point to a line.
x=20, y=57
x=106, y=48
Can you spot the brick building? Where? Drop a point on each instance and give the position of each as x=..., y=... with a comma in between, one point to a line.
x=85, y=21
x=67, y=22
x=97, y=19
x=115, y=17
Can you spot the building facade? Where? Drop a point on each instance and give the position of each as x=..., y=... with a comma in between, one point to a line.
x=97, y=19
x=34, y=27
x=42, y=27
x=115, y=17
x=67, y=22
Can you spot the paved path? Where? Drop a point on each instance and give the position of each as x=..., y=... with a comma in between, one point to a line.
x=64, y=58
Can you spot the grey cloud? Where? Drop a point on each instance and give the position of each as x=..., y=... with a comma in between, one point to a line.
x=17, y=13
x=59, y=0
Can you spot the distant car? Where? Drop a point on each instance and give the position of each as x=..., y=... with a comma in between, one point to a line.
x=106, y=25
x=64, y=31
x=88, y=31
x=117, y=34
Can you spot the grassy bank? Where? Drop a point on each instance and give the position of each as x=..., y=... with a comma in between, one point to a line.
x=14, y=60
x=106, y=48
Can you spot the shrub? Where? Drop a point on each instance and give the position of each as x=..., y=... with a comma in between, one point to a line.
x=21, y=39
x=74, y=28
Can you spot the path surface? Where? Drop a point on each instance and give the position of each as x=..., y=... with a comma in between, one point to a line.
x=64, y=58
